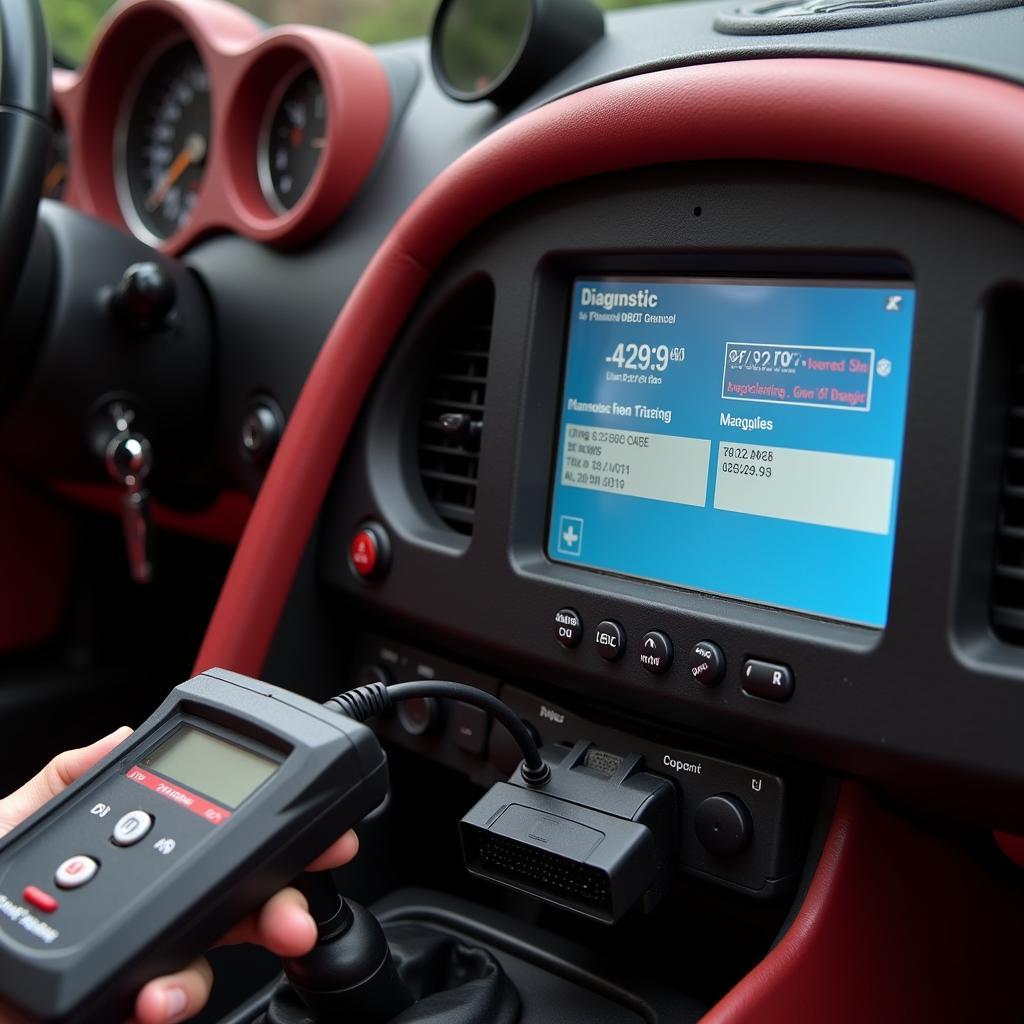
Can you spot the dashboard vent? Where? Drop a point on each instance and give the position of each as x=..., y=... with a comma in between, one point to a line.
x=452, y=413
x=1008, y=572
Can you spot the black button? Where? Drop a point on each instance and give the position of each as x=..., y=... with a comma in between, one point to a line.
x=568, y=627
x=722, y=825
x=707, y=663
x=768, y=680
x=469, y=728
x=610, y=639
x=656, y=652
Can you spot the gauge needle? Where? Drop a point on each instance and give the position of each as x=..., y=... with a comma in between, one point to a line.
x=192, y=153
x=57, y=174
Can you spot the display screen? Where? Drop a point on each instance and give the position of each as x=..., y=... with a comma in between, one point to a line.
x=736, y=437
x=217, y=768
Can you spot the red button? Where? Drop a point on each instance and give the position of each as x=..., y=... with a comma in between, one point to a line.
x=40, y=900
x=368, y=552
x=364, y=553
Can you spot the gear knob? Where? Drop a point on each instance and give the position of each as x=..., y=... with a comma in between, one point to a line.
x=349, y=974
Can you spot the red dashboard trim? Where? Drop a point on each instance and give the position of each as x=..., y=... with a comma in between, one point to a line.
x=244, y=63
x=866, y=942
x=897, y=925
x=221, y=523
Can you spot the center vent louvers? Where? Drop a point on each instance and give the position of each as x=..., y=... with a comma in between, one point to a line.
x=452, y=415
x=1008, y=573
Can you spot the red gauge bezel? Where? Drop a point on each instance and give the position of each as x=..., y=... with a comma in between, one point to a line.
x=244, y=64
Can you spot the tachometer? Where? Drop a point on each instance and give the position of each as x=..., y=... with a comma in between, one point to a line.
x=164, y=143
x=292, y=140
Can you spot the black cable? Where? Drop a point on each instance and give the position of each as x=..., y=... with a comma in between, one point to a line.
x=366, y=701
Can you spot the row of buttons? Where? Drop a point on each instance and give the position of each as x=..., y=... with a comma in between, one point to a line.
x=707, y=662
x=76, y=871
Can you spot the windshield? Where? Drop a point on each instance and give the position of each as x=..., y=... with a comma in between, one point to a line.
x=73, y=22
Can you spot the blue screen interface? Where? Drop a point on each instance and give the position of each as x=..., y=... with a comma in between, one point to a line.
x=736, y=437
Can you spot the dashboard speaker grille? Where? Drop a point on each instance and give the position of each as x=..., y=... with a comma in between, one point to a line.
x=452, y=414
x=1007, y=607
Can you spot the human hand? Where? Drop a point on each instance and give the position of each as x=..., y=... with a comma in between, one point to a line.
x=282, y=925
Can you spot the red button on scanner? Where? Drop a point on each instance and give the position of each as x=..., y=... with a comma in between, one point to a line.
x=369, y=551
x=40, y=900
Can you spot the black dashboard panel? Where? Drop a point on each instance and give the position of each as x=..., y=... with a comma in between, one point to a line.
x=932, y=689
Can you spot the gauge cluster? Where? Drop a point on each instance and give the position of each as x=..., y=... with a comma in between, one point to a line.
x=192, y=118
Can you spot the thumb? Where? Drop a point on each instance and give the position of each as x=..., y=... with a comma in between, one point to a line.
x=55, y=778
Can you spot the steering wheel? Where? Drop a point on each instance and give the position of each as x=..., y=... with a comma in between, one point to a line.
x=24, y=133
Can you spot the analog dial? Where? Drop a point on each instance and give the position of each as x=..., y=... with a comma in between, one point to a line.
x=166, y=143
x=293, y=140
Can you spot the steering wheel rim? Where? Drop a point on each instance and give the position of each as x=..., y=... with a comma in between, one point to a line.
x=24, y=133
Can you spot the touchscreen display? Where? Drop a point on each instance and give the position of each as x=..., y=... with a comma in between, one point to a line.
x=737, y=437
x=219, y=769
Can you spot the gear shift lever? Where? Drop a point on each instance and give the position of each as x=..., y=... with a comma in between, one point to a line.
x=349, y=974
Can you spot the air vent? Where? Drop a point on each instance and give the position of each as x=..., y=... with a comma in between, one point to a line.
x=1007, y=606
x=452, y=414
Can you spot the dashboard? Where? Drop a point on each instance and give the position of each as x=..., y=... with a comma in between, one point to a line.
x=693, y=419
x=669, y=401
x=665, y=383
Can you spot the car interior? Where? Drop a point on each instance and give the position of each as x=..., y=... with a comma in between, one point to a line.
x=653, y=374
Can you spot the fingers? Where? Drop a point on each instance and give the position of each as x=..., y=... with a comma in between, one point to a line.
x=56, y=777
x=283, y=925
x=175, y=997
x=340, y=852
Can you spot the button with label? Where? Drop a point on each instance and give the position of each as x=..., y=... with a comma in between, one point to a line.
x=610, y=640
x=768, y=680
x=656, y=652
x=40, y=900
x=568, y=627
x=469, y=728
x=707, y=663
x=132, y=828
x=76, y=871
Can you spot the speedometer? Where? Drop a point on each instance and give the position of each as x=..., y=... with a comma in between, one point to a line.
x=164, y=144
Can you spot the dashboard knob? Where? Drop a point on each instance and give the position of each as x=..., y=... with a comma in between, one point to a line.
x=261, y=431
x=723, y=824
x=145, y=296
x=419, y=716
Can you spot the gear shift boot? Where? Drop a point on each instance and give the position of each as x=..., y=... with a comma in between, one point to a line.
x=450, y=981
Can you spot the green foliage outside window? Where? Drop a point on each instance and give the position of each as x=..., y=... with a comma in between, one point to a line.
x=72, y=23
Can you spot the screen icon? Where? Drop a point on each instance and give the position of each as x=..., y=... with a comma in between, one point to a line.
x=570, y=535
